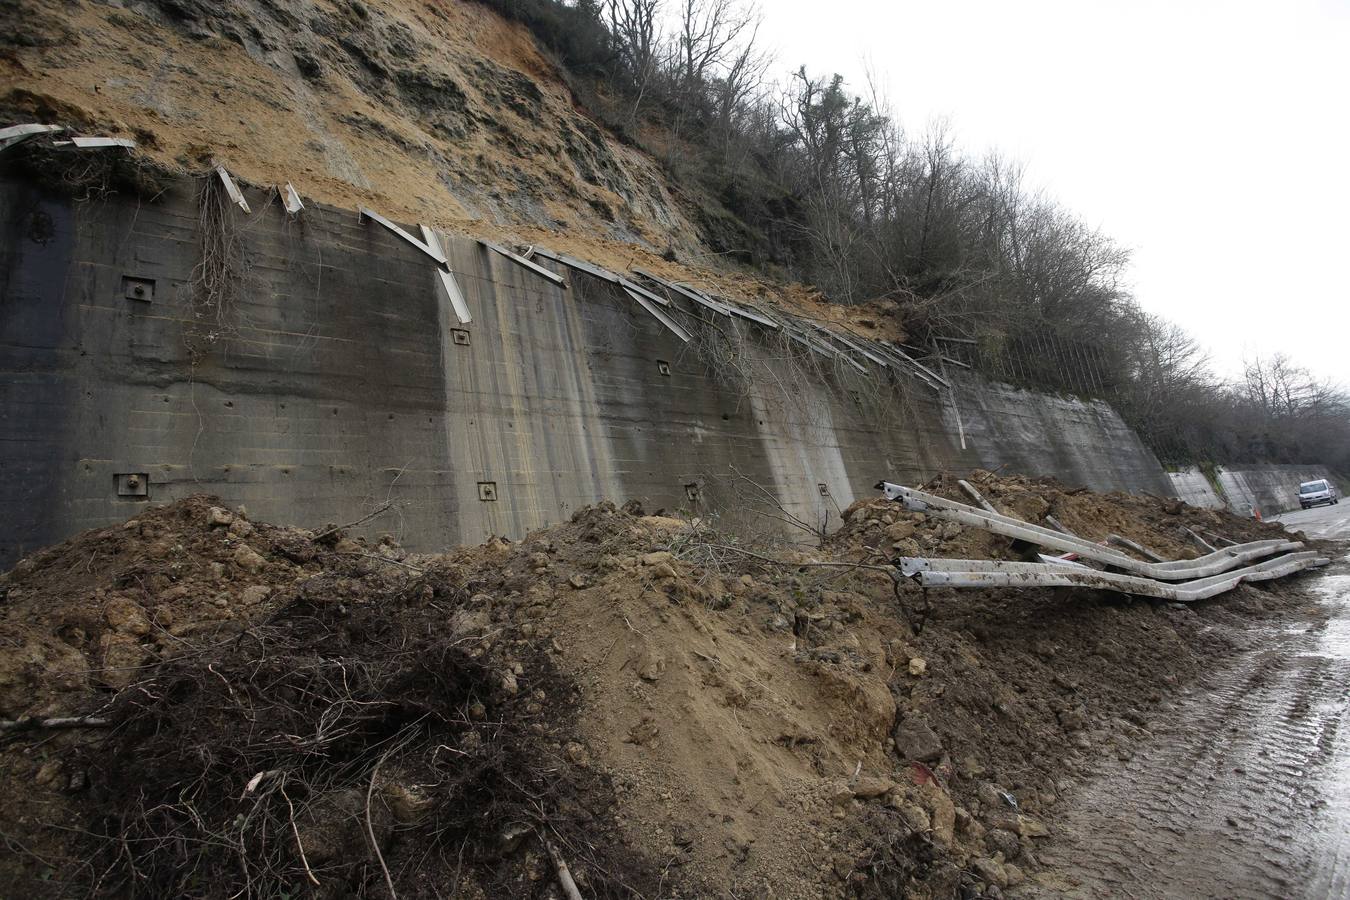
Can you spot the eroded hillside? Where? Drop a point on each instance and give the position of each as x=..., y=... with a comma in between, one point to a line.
x=436, y=111
x=430, y=111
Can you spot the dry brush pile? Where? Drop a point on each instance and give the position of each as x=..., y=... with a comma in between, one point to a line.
x=291, y=718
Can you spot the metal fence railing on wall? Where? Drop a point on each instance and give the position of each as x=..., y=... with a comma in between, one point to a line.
x=1038, y=360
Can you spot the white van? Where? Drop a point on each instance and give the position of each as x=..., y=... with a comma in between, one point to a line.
x=1311, y=493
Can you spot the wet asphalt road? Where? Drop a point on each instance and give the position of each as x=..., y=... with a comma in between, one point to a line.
x=1244, y=792
x=1320, y=522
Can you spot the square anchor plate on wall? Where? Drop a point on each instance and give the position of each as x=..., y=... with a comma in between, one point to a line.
x=138, y=288
x=487, y=491
x=133, y=484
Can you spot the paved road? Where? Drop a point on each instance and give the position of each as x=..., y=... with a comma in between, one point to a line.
x=1325, y=522
x=1245, y=792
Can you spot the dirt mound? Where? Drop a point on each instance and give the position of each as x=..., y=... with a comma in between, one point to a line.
x=678, y=713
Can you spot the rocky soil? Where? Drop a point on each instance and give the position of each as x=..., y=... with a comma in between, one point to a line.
x=674, y=711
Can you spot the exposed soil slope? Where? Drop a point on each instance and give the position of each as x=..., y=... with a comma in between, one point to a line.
x=440, y=111
x=679, y=713
x=432, y=111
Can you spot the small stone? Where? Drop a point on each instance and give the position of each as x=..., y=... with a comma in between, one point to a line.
x=663, y=570
x=914, y=817
x=914, y=739
x=840, y=795
x=48, y=772
x=651, y=666
x=1000, y=840
x=990, y=871
x=1029, y=827
x=249, y=559
x=900, y=531
x=577, y=581
x=656, y=558
x=254, y=594
x=240, y=529
x=122, y=657
x=509, y=683
x=991, y=796
x=871, y=788
x=1073, y=719
x=941, y=812
x=1014, y=874
x=218, y=518
x=126, y=616
x=917, y=666
x=408, y=803
x=464, y=622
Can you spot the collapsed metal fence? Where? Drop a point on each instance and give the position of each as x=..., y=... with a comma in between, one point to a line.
x=1200, y=578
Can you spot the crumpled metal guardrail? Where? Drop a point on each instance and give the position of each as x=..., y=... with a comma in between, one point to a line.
x=1179, y=570
x=978, y=573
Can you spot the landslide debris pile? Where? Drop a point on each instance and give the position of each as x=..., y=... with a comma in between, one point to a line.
x=1157, y=524
x=278, y=712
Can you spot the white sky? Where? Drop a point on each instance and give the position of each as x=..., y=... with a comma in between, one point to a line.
x=1212, y=138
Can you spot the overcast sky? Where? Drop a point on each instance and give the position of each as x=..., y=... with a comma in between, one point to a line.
x=1212, y=138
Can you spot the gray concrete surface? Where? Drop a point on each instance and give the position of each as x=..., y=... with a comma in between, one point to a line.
x=1270, y=488
x=333, y=380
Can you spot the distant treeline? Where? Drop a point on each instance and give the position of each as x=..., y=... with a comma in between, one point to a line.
x=815, y=180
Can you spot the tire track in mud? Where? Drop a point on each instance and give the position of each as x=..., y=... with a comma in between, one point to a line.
x=1245, y=794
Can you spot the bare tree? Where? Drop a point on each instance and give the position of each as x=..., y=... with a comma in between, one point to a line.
x=633, y=24
x=709, y=30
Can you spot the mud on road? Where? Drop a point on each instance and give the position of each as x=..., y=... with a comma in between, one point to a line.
x=1245, y=792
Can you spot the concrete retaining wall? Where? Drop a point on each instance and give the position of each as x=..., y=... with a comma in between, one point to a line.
x=334, y=380
x=1270, y=488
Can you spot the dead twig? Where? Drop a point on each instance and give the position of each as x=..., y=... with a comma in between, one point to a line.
x=370, y=828
x=26, y=724
x=976, y=496
x=375, y=556
x=379, y=510
x=801, y=565
x=569, y=887
x=299, y=845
